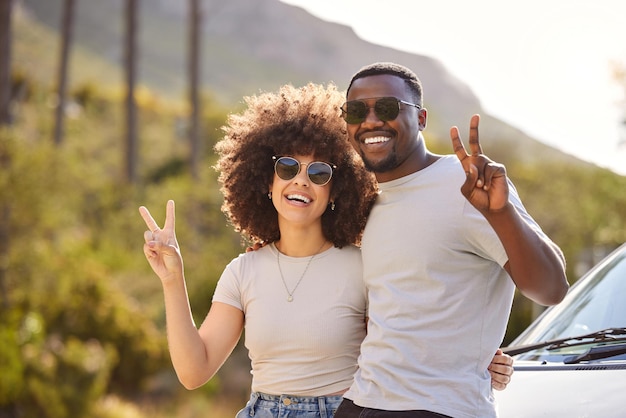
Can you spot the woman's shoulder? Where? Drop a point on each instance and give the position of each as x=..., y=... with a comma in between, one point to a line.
x=350, y=249
x=347, y=253
x=254, y=256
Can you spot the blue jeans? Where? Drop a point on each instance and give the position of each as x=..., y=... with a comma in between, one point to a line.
x=261, y=405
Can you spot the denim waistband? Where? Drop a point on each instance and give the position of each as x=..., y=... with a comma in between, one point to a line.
x=324, y=404
x=292, y=399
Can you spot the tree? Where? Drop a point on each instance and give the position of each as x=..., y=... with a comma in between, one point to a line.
x=5, y=119
x=195, y=23
x=66, y=41
x=131, y=105
x=6, y=7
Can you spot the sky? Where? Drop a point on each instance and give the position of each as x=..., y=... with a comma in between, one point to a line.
x=543, y=66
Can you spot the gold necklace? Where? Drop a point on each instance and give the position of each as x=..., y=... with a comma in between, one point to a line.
x=290, y=294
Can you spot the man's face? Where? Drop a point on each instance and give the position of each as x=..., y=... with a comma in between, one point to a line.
x=385, y=147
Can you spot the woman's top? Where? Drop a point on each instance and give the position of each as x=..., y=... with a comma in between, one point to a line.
x=309, y=346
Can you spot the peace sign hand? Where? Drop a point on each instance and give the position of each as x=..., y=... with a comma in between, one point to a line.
x=486, y=185
x=160, y=247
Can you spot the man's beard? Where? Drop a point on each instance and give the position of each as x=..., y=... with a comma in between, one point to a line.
x=387, y=164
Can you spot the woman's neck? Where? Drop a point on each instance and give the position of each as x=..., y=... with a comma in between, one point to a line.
x=302, y=244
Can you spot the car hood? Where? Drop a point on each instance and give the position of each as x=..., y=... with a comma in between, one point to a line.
x=584, y=390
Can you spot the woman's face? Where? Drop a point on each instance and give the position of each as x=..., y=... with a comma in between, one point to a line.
x=299, y=200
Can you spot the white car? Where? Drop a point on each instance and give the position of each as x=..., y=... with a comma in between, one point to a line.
x=571, y=361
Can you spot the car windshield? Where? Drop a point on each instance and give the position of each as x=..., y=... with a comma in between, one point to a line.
x=596, y=302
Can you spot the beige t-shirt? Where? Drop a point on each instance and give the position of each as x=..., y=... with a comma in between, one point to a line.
x=439, y=299
x=307, y=347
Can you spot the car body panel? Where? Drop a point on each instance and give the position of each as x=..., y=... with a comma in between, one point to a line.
x=575, y=391
x=542, y=384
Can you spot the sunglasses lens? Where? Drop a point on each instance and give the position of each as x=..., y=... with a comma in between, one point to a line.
x=387, y=108
x=319, y=173
x=287, y=168
x=354, y=112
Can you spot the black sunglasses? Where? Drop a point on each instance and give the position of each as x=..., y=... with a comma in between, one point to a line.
x=354, y=112
x=318, y=172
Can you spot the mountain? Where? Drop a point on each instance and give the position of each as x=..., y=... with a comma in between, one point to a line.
x=248, y=46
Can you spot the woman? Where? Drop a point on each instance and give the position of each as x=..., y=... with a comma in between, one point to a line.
x=292, y=181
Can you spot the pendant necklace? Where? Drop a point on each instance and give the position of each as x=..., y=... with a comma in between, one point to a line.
x=290, y=294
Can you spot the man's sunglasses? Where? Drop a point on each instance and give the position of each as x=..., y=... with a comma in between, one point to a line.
x=355, y=112
x=318, y=172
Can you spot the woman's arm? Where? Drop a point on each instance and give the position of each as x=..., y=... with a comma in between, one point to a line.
x=196, y=354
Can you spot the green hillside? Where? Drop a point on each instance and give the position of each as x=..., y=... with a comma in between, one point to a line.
x=248, y=47
x=36, y=48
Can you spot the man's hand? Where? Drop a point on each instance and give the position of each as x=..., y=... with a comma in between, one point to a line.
x=486, y=185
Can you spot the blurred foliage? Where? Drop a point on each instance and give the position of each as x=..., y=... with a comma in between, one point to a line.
x=82, y=330
x=81, y=318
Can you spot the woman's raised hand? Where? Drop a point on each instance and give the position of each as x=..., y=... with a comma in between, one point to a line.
x=160, y=247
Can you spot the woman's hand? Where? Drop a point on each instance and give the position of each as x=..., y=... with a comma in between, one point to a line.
x=160, y=247
x=501, y=370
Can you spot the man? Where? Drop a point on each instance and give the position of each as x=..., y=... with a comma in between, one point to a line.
x=440, y=265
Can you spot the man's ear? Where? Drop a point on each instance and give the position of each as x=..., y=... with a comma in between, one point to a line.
x=422, y=115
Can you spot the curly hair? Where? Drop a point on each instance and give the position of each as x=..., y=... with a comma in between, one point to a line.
x=292, y=121
x=411, y=80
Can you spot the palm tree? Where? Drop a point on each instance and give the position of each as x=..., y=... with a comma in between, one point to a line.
x=6, y=7
x=195, y=24
x=131, y=105
x=66, y=41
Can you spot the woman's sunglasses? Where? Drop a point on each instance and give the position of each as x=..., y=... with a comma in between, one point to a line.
x=318, y=172
x=354, y=112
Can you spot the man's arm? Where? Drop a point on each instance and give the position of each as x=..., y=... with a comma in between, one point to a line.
x=535, y=264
